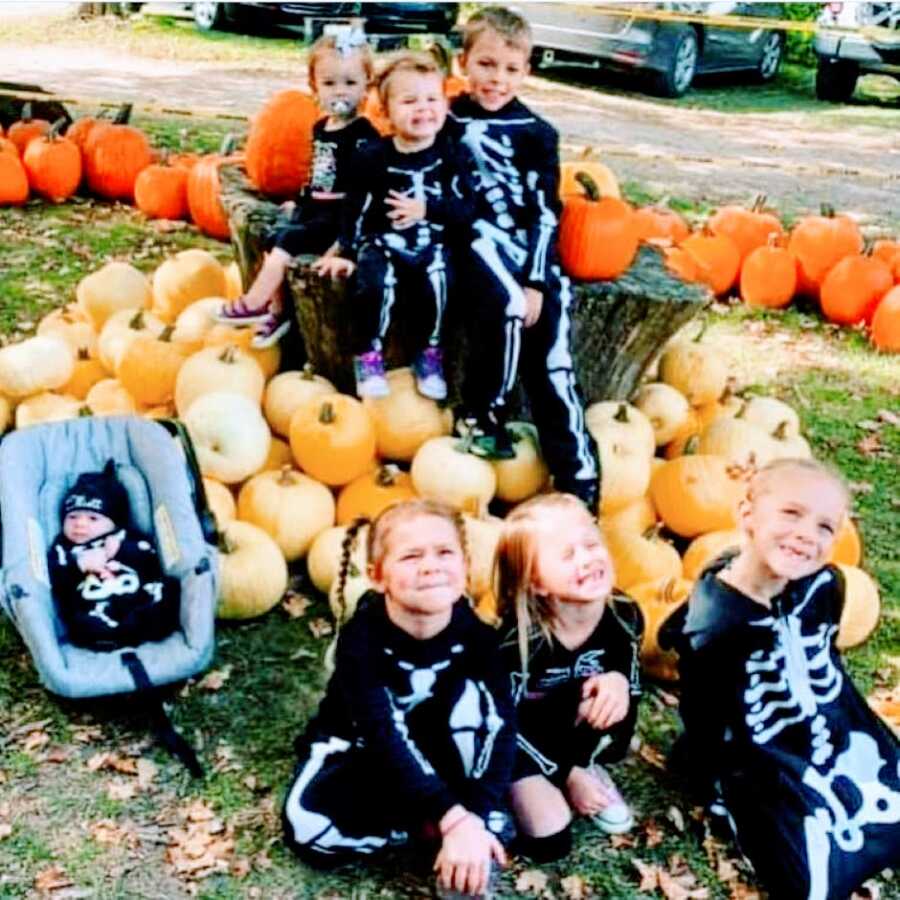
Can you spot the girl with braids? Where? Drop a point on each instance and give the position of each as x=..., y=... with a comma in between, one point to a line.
x=571, y=647
x=415, y=733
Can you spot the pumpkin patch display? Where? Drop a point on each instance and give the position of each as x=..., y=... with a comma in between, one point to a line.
x=654, y=223
x=23, y=131
x=204, y=194
x=658, y=601
x=862, y=607
x=87, y=372
x=71, y=324
x=196, y=320
x=217, y=369
x=818, y=243
x=601, y=175
x=280, y=455
x=697, y=370
x=853, y=287
x=160, y=192
x=526, y=473
x=120, y=329
x=482, y=537
x=37, y=364
x=323, y=561
x=705, y=549
x=642, y=557
x=665, y=407
x=108, y=397
x=290, y=507
x=114, y=156
x=116, y=286
x=624, y=473
x=738, y=442
x=46, y=407
x=442, y=470
x=220, y=501
x=183, y=278
x=288, y=391
x=252, y=571
x=373, y=492
x=748, y=229
x=53, y=165
x=637, y=517
x=847, y=547
x=618, y=421
x=269, y=358
x=768, y=277
x=149, y=367
x=717, y=257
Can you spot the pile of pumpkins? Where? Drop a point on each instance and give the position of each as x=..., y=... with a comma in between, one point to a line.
x=675, y=465
x=115, y=161
x=748, y=251
x=288, y=462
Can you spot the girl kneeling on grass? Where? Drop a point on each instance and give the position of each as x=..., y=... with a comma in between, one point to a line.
x=571, y=646
x=415, y=733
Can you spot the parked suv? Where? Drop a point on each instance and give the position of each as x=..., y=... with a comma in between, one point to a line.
x=873, y=46
x=671, y=53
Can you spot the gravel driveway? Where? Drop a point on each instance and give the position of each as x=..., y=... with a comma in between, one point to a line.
x=797, y=160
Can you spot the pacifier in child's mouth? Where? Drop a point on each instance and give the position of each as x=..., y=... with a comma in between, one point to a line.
x=340, y=107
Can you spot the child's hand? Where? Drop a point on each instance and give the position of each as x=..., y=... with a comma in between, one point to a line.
x=334, y=267
x=604, y=700
x=94, y=561
x=405, y=211
x=112, y=545
x=534, y=302
x=464, y=861
x=585, y=793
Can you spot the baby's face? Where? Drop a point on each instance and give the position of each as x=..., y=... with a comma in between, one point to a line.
x=82, y=525
x=340, y=83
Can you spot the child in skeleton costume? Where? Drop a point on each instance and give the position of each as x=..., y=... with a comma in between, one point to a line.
x=340, y=70
x=520, y=302
x=777, y=737
x=107, y=580
x=416, y=728
x=403, y=208
x=571, y=647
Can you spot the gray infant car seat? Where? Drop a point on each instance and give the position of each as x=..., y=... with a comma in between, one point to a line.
x=38, y=465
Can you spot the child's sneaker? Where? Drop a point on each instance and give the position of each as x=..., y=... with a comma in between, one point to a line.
x=429, y=372
x=270, y=331
x=238, y=313
x=616, y=817
x=369, y=371
x=489, y=440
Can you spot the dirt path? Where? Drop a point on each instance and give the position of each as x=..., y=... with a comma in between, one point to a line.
x=794, y=158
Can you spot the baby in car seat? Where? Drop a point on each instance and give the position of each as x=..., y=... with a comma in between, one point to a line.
x=107, y=579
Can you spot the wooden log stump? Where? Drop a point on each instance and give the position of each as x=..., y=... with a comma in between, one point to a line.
x=618, y=326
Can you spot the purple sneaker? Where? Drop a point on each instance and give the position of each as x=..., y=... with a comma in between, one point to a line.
x=269, y=332
x=616, y=817
x=238, y=313
x=429, y=372
x=369, y=371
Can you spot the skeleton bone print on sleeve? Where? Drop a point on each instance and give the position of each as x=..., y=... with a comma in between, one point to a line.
x=423, y=184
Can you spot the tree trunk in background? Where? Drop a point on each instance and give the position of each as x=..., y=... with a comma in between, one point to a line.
x=618, y=326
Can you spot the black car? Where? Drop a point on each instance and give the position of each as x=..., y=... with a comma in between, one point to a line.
x=313, y=18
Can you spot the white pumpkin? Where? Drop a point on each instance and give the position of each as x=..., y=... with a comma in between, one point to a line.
x=769, y=414
x=405, y=419
x=291, y=507
x=120, y=330
x=218, y=369
x=187, y=276
x=234, y=285
x=252, y=571
x=73, y=325
x=220, y=501
x=109, y=398
x=524, y=475
x=229, y=434
x=624, y=474
x=323, y=562
x=443, y=472
x=665, y=407
x=620, y=422
x=287, y=392
x=46, y=407
x=34, y=365
x=862, y=607
x=117, y=286
x=194, y=322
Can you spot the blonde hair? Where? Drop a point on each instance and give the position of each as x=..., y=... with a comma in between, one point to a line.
x=328, y=43
x=760, y=482
x=517, y=555
x=421, y=63
x=379, y=534
x=510, y=26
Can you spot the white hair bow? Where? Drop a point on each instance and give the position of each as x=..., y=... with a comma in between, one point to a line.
x=348, y=41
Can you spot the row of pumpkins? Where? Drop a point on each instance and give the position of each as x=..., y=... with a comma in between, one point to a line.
x=744, y=251
x=288, y=461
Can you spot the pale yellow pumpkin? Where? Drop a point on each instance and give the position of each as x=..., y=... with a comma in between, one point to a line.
x=635, y=518
x=526, y=474
x=73, y=325
x=229, y=434
x=220, y=501
x=35, y=365
x=234, y=285
x=194, y=322
x=738, y=442
x=769, y=414
x=405, y=419
x=727, y=405
x=109, y=398
x=120, y=330
x=442, y=471
x=786, y=446
x=183, y=278
x=46, y=407
x=666, y=408
x=642, y=557
x=117, y=286
x=482, y=536
x=252, y=572
x=6, y=414
x=291, y=507
x=707, y=547
x=324, y=558
x=287, y=392
x=624, y=474
x=87, y=372
x=280, y=455
x=699, y=371
x=862, y=607
x=218, y=369
x=160, y=411
x=621, y=423
x=269, y=358
x=658, y=600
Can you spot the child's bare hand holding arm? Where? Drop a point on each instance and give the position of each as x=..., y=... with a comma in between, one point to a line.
x=334, y=267
x=464, y=861
x=405, y=211
x=534, y=302
x=605, y=700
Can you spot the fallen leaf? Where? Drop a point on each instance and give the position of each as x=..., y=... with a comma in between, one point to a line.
x=618, y=841
x=574, y=887
x=870, y=445
x=675, y=888
x=885, y=415
x=726, y=870
x=649, y=873
x=87, y=735
x=35, y=740
x=5, y=830
x=653, y=833
x=651, y=755
x=531, y=881
x=295, y=605
x=215, y=680
x=868, y=425
x=57, y=755
x=52, y=879
x=146, y=773
x=860, y=487
x=676, y=817
x=121, y=790
x=109, y=834
x=198, y=811
x=320, y=628
x=240, y=867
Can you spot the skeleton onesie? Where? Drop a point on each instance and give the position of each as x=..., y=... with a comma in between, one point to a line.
x=806, y=773
x=407, y=729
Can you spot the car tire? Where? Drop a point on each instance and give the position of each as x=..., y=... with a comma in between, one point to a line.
x=682, y=66
x=210, y=16
x=771, y=56
x=836, y=79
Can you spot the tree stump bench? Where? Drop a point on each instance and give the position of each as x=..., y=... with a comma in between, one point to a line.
x=618, y=326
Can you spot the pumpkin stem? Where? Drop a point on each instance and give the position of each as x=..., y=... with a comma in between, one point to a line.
x=84, y=411
x=690, y=448
x=586, y=153
x=828, y=211
x=83, y=354
x=123, y=115
x=701, y=332
x=589, y=185
x=759, y=203
x=780, y=432
x=56, y=129
x=285, y=475
x=228, y=144
x=652, y=533
x=326, y=413
x=222, y=542
x=166, y=334
x=307, y=372
x=386, y=475
x=667, y=594
x=622, y=413
x=137, y=321
x=228, y=354
x=26, y=111
x=742, y=411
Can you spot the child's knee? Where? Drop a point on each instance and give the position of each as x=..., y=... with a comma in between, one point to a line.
x=540, y=808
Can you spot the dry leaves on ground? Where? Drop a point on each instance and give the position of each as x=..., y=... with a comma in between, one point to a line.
x=574, y=887
x=320, y=628
x=215, y=680
x=201, y=845
x=295, y=605
x=677, y=882
x=886, y=702
x=52, y=879
x=114, y=762
x=652, y=755
x=531, y=881
x=108, y=833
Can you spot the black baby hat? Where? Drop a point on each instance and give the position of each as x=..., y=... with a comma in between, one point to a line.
x=99, y=492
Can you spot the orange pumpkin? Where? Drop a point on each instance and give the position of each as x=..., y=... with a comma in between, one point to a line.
x=747, y=228
x=853, y=287
x=160, y=192
x=818, y=243
x=571, y=186
x=372, y=492
x=88, y=371
x=847, y=546
x=654, y=222
x=149, y=366
x=333, y=439
x=642, y=557
x=768, y=277
x=597, y=237
x=7, y=146
x=717, y=257
x=203, y=194
x=53, y=164
x=374, y=112
x=13, y=181
x=681, y=264
x=279, y=145
x=23, y=131
x=114, y=156
x=658, y=600
x=886, y=322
